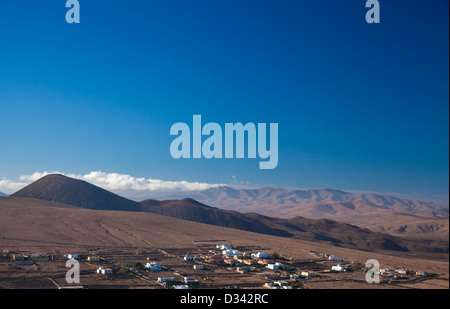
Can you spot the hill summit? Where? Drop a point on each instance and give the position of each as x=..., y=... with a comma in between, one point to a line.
x=66, y=190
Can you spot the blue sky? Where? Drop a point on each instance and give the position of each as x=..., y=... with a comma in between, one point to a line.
x=359, y=106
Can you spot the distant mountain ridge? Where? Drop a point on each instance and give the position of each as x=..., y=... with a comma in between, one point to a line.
x=3, y=194
x=318, y=203
x=379, y=213
x=338, y=234
x=65, y=190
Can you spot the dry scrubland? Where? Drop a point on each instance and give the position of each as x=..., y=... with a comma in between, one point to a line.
x=34, y=226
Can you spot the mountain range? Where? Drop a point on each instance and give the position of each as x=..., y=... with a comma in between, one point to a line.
x=318, y=203
x=382, y=213
x=73, y=192
x=3, y=194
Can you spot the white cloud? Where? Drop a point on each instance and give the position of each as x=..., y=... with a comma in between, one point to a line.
x=115, y=181
x=35, y=176
x=118, y=183
x=8, y=186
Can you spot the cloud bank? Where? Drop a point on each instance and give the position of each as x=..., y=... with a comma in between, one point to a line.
x=126, y=185
x=8, y=186
x=142, y=188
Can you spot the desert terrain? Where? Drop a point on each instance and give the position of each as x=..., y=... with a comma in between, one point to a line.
x=379, y=213
x=41, y=227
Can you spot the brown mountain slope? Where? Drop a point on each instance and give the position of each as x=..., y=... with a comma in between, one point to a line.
x=79, y=193
x=62, y=189
x=43, y=227
x=321, y=203
x=423, y=219
x=321, y=230
x=189, y=209
x=406, y=225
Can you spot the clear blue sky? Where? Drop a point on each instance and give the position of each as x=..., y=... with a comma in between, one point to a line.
x=359, y=106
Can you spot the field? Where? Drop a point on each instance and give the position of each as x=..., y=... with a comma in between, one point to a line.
x=124, y=238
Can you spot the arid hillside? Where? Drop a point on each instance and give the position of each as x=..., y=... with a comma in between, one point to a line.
x=74, y=192
x=66, y=190
x=40, y=226
x=379, y=213
x=315, y=230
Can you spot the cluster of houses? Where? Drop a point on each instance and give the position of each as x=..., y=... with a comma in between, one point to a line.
x=399, y=272
x=14, y=256
x=152, y=266
x=388, y=272
x=226, y=255
x=287, y=284
x=223, y=255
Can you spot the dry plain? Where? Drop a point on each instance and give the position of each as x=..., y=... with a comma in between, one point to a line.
x=41, y=227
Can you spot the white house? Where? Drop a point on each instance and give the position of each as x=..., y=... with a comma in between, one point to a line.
x=153, y=266
x=274, y=266
x=181, y=287
x=260, y=255
x=104, y=271
x=164, y=279
x=72, y=256
x=280, y=283
x=223, y=247
x=401, y=271
x=337, y=268
x=198, y=266
x=230, y=252
x=334, y=258
x=187, y=280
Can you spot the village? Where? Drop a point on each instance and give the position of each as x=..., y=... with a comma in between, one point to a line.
x=208, y=266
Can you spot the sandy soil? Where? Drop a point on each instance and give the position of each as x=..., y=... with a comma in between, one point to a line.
x=44, y=227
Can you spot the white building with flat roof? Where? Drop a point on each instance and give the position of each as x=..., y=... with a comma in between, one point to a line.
x=274, y=266
x=153, y=266
x=104, y=271
x=230, y=252
x=260, y=255
x=223, y=247
x=160, y=279
x=337, y=268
